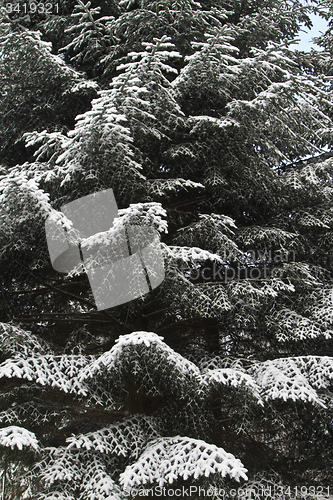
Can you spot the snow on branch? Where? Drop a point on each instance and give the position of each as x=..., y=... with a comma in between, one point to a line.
x=209, y=300
x=97, y=483
x=308, y=220
x=167, y=459
x=200, y=123
x=154, y=366
x=58, y=464
x=32, y=59
x=319, y=370
x=149, y=361
x=40, y=50
x=149, y=214
x=19, y=343
x=320, y=307
x=205, y=300
x=212, y=66
x=126, y=437
x=162, y=187
x=50, y=144
x=21, y=195
x=142, y=75
x=78, y=471
x=154, y=58
x=38, y=411
x=190, y=255
x=293, y=326
x=213, y=380
x=294, y=378
x=57, y=371
x=55, y=495
x=91, y=35
x=301, y=272
x=17, y=437
x=256, y=235
x=101, y=136
x=212, y=231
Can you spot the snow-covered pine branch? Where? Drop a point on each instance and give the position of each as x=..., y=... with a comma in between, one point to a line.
x=18, y=437
x=60, y=372
x=295, y=378
x=82, y=473
x=144, y=72
x=294, y=326
x=167, y=459
x=24, y=201
x=124, y=438
x=145, y=358
x=18, y=343
x=50, y=145
x=101, y=137
x=212, y=67
x=204, y=108
x=149, y=362
x=214, y=232
x=92, y=35
x=168, y=187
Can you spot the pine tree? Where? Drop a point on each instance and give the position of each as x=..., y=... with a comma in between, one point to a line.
x=210, y=129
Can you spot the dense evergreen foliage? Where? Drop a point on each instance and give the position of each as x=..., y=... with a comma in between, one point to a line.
x=209, y=127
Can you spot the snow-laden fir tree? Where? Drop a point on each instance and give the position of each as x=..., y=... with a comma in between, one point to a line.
x=210, y=128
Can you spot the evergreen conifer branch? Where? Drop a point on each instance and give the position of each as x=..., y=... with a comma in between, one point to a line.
x=209, y=128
